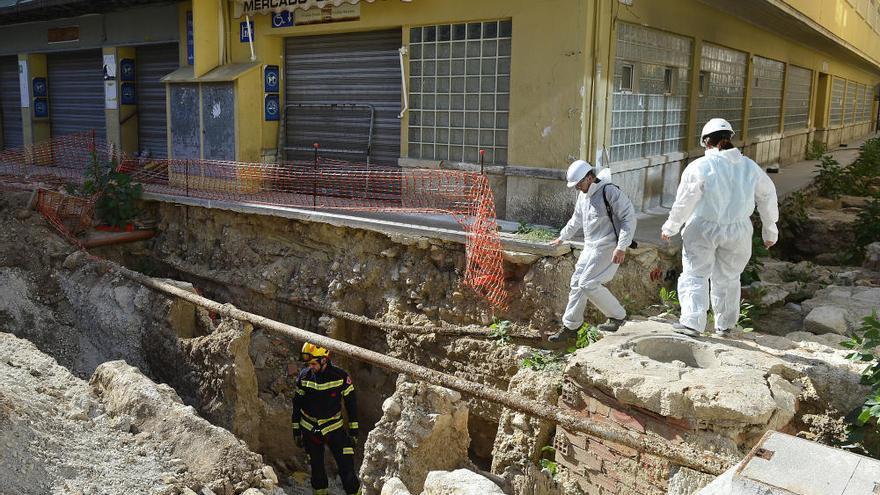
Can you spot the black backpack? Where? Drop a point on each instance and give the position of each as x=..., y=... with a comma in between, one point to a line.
x=633, y=244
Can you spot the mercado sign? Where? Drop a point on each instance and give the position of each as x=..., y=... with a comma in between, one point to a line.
x=315, y=8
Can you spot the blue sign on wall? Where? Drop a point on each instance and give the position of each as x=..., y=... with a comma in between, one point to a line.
x=40, y=86
x=243, y=31
x=282, y=19
x=126, y=69
x=41, y=108
x=272, y=79
x=128, y=95
x=273, y=108
x=190, y=56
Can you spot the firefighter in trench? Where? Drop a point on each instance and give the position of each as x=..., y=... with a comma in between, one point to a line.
x=321, y=388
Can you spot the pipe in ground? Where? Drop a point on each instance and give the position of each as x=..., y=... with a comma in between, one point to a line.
x=683, y=455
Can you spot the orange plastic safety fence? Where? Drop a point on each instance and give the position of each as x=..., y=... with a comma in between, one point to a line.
x=318, y=184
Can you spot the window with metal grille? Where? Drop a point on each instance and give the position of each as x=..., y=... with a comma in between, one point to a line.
x=869, y=104
x=838, y=88
x=459, y=91
x=850, y=102
x=798, y=87
x=765, y=107
x=859, y=90
x=725, y=86
x=651, y=88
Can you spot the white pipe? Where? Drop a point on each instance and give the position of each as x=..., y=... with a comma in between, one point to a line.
x=402, y=51
x=247, y=22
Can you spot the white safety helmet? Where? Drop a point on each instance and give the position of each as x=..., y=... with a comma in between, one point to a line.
x=577, y=171
x=715, y=125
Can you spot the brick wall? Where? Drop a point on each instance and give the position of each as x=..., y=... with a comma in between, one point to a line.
x=603, y=467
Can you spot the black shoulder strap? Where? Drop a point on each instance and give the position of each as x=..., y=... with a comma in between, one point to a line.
x=610, y=211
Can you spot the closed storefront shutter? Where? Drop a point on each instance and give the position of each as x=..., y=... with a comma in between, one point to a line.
x=10, y=103
x=338, y=69
x=76, y=92
x=153, y=63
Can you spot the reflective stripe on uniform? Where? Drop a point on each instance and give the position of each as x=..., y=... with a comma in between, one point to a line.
x=348, y=450
x=348, y=390
x=321, y=386
x=321, y=421
x=323, y=491
x=300, y=391
x=353, y=425
x=327, y=429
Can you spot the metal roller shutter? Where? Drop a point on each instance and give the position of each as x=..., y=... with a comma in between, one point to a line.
x=10, y=103
x=76, y=92
x=153, y=63
x=360, y=68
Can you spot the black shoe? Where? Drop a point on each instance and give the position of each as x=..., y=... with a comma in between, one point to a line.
x=685, y=330
x=564, y=333
x=722, y=332
x=611, y=324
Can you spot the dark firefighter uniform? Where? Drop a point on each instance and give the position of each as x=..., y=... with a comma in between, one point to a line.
x=317, y=417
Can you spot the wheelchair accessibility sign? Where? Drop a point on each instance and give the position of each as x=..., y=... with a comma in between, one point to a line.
x=273, y=108
x=282, y=19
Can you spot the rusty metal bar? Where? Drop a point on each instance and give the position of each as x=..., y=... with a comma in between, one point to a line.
x=683, y=455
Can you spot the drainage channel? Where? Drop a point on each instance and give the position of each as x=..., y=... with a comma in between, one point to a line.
x=706, y=462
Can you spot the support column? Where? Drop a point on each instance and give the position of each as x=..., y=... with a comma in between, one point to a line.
x=36, y=129
x=207, y=22
x=120, y=116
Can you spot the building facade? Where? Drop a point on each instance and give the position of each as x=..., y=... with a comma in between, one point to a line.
x=517, y=88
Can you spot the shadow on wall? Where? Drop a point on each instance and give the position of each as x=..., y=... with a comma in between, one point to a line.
x=540, y=202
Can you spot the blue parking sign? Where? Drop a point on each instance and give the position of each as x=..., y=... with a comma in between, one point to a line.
x=282, y=19
x=243, y=34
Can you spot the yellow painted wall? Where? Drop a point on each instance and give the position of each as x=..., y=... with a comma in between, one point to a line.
x=249, y=116
x=844, y=20
x=547, y=66
x=206, y=35
x=704, y=24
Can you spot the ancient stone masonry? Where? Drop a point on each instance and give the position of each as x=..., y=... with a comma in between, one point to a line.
x=718, y=396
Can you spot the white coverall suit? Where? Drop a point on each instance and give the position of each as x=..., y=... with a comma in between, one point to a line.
x=594, y=266
x=715, y=199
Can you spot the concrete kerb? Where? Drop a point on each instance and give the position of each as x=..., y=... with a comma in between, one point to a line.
x=365, y=222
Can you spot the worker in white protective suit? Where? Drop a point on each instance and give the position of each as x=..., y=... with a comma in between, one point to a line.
x=715, y=199
x=608, y=221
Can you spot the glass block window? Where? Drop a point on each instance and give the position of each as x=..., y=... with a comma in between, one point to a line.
x=765, y=107
x=849, y=103
x=799, y=86
x=651, y=88
x=868, y=107
x=459, y=91
x=838, y=88
x=860, y=101
x=725, y=87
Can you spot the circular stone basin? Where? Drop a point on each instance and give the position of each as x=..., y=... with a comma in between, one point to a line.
x=670, y=349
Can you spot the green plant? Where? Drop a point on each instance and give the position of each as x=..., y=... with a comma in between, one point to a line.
x=499, y=331
x=867, y=227
x=746, y=312
x=831, y=177
x=586, y=335
x=815, y=150
x=543, y=360
x=115, y=194
x=863, y=344
x=532, y=233
x=793, y=213
x=669, y=299
x=549, y=464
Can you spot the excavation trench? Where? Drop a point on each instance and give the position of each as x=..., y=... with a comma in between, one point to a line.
x=704, y=462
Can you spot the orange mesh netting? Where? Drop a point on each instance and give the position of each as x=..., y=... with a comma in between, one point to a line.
x=318, y=184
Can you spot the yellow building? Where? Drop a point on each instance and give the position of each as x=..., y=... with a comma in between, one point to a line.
x=522, y=87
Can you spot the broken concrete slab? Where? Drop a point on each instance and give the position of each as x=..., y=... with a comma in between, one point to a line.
x=459, y=482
